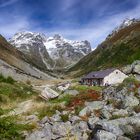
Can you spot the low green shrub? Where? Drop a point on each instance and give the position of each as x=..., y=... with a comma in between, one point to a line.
x=78, y=109
x=48, y=111
x=65, y=117
x=65, y=98
x=131, y=79
x=85, y=88
x=9, y=79
x=15, y=92
x=28, y=82
x=1, y=111
x=10, y=129
x=115, y=117
x=128, y=82
x=2, y=79
x=137, y=109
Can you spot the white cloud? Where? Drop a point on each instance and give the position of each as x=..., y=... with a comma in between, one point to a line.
x=7, y=2
x=9, y=27
x=95, y=32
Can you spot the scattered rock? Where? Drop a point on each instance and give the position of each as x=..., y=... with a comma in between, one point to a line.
x=106, y=114
x=114, y=93
x=74, y=119
x=95, y=105
x=127, y=129
x=32, y=118
x=92, y=122
x=44, y=120
x=104, y=135
x=122, y=138
x=85, y=112
x=130, y=101
x=42, y=134
x=48, y=93
x=121, y=113
x=137, y=76
x=82, y=126
x=61, y=129
x=114, y=126
x=71, y=92
x=136, y=67
x=139, y=91
x=80, y=130
x=63, y=86
x=127, y=69
x=55, y=118
x=113, y=123
x=65, y=112
x=90, y=107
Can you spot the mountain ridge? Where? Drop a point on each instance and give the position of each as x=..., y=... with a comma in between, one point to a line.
x=120, y=49
x=14, y=63
x=50, y=52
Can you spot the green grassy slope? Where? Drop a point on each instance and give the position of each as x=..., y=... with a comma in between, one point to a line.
x=121, y=49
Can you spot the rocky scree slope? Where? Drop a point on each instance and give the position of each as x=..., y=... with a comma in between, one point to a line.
x=52, y=52
x=14, y=63
x=113, y=116
x=120, y=48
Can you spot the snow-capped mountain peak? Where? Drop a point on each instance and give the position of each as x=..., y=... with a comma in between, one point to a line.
x=127, y=22
x=63, y=51
x=57, y=44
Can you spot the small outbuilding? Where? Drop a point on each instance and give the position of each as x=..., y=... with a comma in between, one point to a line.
x=104, y=77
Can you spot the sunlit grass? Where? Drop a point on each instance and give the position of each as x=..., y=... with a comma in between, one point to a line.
x=85, y=88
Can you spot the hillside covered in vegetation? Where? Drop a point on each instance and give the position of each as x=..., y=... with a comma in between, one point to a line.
x=120, y=49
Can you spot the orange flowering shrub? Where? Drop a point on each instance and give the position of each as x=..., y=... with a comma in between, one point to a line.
x=80, y=99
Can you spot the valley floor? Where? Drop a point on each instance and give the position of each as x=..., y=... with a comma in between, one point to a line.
x=79, y=113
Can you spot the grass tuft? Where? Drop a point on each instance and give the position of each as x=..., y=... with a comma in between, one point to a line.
x=10, y=129
x=9, y=79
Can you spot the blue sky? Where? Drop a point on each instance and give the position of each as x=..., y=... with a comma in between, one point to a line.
x=90, y=20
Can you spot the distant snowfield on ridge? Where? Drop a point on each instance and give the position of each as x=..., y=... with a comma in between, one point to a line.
x=53, y=44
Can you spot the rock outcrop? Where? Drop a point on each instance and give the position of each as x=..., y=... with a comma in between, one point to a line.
x=133, y=69
x=48, y=93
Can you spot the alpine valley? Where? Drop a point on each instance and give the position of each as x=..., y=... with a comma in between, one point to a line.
x=52, y=88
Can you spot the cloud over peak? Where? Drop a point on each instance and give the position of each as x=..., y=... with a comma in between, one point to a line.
x=75, y=19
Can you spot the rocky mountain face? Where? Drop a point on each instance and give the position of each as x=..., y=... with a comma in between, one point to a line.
x=14, y=63
x=52, y=52
x=120, y=48
x=32, y=45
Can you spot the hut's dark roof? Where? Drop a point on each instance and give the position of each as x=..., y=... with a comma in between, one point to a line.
x=99, y=74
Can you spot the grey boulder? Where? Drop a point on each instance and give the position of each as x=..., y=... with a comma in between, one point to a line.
x=104, y=135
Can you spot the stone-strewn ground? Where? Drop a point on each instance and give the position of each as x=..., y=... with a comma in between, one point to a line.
x=113, y=114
